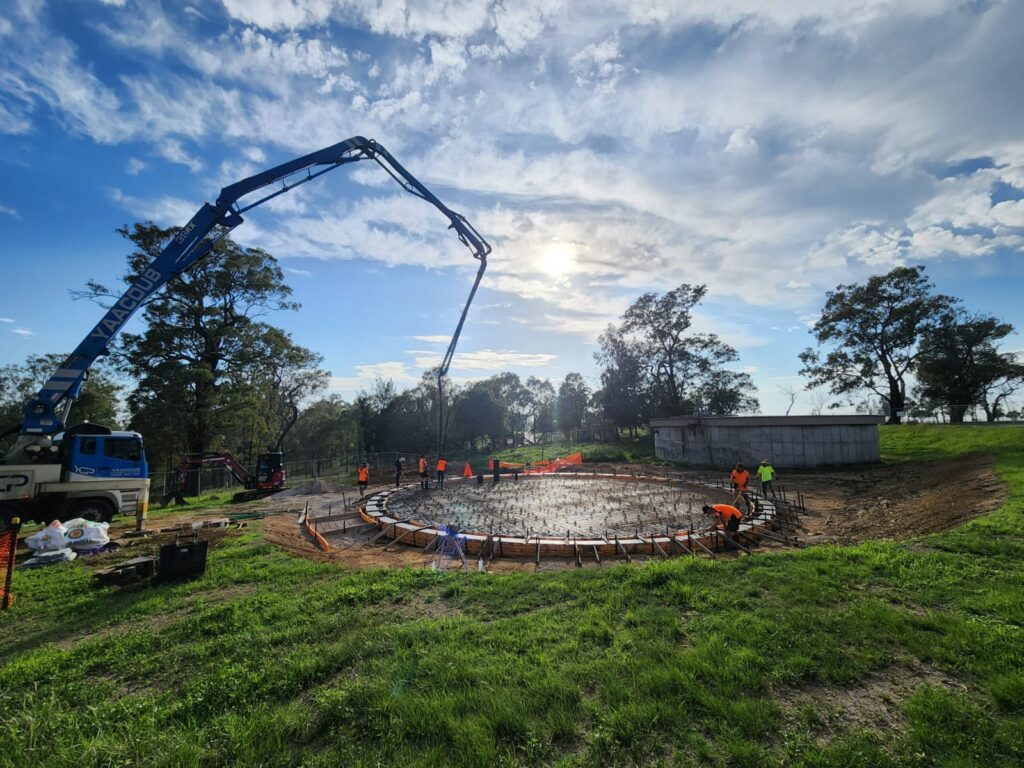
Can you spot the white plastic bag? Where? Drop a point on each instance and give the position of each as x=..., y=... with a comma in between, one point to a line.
x=49, y=539
x=84, y=534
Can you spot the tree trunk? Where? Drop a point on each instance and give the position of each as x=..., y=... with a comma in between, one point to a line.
x=956, y=413
x=896, y=403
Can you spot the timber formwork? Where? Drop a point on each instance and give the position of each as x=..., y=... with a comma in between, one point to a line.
x=773, y=521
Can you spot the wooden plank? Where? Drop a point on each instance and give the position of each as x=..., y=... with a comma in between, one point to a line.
x=655, y=546
x=384, y=530
x=597, y=555
x=622, y=549
x=576, y=551
x=733, y=542
x=412, y=531
x=678, y=543
x=700, y=544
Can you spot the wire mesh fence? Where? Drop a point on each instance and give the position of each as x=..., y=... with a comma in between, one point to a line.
x=204, y=480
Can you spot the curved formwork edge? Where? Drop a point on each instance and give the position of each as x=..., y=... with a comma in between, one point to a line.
x=419, y=533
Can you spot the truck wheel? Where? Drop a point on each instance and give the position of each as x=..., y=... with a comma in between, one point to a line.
x=93, y=511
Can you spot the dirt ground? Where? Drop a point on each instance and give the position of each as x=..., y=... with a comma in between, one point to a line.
x=892, y=501
x=896, y=501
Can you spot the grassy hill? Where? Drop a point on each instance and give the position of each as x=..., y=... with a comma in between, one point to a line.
x=875, y=655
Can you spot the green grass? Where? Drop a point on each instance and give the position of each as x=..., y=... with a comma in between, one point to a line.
x=640, y=449
x=272, y=660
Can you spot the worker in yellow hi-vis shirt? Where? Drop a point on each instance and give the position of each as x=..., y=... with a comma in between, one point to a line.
x=766, y=473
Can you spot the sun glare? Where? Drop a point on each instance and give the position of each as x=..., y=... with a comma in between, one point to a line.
x=557, y=259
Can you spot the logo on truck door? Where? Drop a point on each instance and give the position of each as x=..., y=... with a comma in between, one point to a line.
x=9, y=482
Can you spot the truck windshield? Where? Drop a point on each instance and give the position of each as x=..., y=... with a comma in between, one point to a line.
x=128, y=449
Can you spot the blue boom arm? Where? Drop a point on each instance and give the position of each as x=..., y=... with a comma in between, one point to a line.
x=47, y=412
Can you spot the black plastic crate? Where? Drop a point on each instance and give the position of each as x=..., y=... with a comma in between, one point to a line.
x=182, y=560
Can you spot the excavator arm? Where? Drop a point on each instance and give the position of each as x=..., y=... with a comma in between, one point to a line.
x=45, y=415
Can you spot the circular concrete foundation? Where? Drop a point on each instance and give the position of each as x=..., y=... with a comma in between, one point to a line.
x=560, y=515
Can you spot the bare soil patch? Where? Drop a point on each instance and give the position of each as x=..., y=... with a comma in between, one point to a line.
x=874, y=703
x=896, y=501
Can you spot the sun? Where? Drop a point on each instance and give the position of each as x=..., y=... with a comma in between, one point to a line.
x=557, y=259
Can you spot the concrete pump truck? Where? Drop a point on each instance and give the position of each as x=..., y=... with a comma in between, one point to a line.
x=57, y=472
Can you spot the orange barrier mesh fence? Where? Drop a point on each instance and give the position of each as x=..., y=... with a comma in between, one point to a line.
x=8, y=545
x=543, y=467
x=540, y=467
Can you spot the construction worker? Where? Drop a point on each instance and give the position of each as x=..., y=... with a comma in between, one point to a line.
x=740, y=478
x=424, y=479
x=442, y=465
x=766, y=472
x=398, y=471
x=726, y=516
x=363, y=477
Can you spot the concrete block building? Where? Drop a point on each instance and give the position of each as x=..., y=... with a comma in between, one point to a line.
x=786, y=441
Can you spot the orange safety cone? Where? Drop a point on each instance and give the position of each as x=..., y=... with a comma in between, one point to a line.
x=467, y=472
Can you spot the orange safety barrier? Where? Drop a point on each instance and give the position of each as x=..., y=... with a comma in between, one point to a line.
x=320, y=540
x=8, y=546
x=545, y=467
x=467, y=472
x=504, y=465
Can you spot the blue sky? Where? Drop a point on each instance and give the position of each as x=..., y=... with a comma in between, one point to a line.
x=769, y=150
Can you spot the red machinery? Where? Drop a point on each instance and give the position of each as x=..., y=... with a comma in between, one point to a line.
x=268, y=478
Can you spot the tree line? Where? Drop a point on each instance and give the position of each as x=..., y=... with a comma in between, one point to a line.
x=210, y=372
x=893, y=332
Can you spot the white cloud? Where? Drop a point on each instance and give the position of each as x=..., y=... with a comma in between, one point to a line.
x=9, y=211
x=164, y=210
x=255, y=154
x=741, y=143
x=172, y=149
x=300, y=272
x=488, y=360
x=597, y=65
x=367, y=373
x=1009, y=213
x=135, y=166
x=23, y=331
x=7, y=320
x=438, y=339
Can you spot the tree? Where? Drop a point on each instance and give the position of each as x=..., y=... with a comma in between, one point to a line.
x=874, y=332
x=542, y=410
x=960, y=365
x=98, y=402
x=624, y=380
x=478, y=415
x=573, y=402
x=326, y=428
x=202, y=339
x=791, y=394
x=288, y=377
x=682, y=372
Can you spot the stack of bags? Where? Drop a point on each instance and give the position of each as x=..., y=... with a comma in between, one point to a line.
x=61, y=542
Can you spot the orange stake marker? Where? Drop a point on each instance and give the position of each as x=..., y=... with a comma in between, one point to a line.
x=467, y=472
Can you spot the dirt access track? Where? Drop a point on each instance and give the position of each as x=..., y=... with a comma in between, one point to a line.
x=896, y=501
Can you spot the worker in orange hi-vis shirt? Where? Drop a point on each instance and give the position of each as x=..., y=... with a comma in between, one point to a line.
x=726, y=515
x=363, y=477
x=442, y=465
x=740, y=478
x=424, y=479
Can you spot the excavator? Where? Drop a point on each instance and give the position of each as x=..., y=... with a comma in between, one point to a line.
x=269, y=477
x=56, y=472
